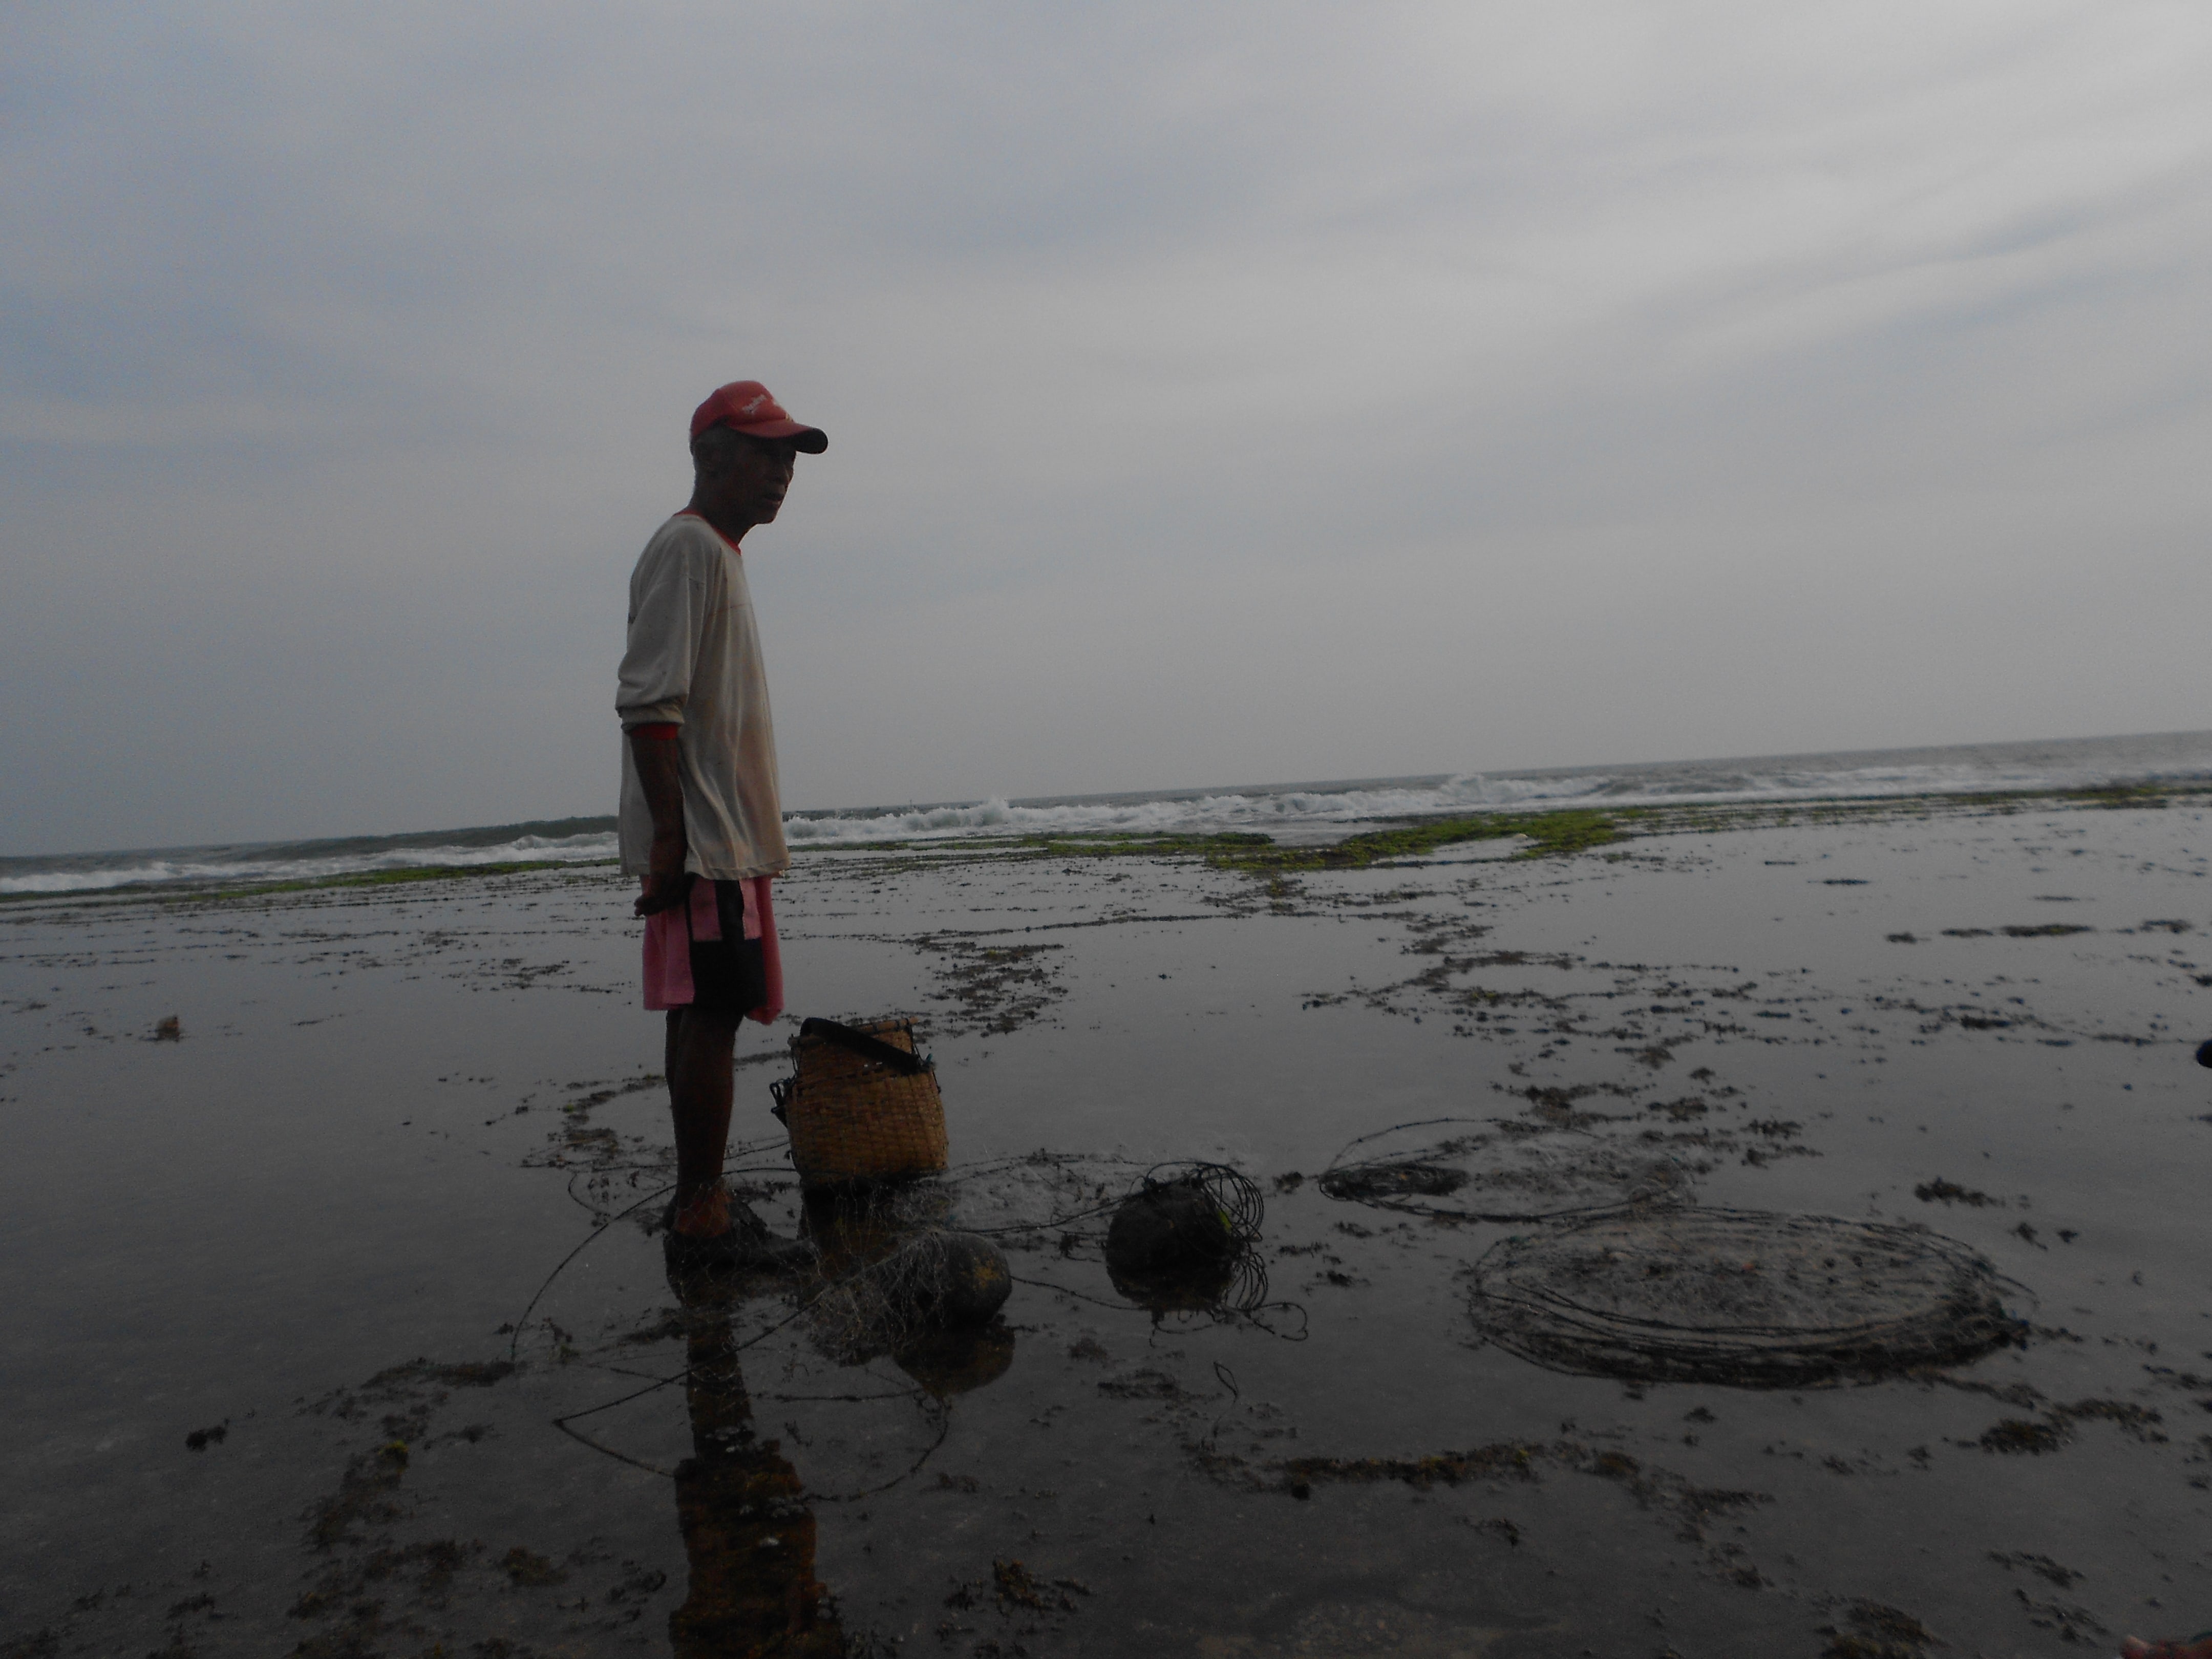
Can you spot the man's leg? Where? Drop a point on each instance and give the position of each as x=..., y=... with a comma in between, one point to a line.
x=701, y=1051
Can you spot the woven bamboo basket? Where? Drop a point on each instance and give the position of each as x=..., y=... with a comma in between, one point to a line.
x=857, y=1116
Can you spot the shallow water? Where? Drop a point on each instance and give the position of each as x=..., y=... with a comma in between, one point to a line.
x=392, y=1114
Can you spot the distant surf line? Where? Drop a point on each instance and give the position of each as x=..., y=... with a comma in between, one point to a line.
x=1308, y=812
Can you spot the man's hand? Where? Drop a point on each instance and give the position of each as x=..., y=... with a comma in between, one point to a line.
x=666, y=886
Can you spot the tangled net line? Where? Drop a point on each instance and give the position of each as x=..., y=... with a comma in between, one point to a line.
x=876, y=1305
x=1234, y=1193
x=938, y=1412
x=1242, y=1296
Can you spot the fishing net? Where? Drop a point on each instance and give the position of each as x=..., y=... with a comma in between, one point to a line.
x=1031, y=1198
x=901, y=1262
x=894, y=1266
x=932, y=1280
x=1498, y=1170
x=1738, y=1297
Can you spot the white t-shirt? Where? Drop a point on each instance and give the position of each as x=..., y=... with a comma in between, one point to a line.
x=694, y=660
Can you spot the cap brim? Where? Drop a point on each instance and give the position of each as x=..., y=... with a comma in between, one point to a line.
x=807, y=440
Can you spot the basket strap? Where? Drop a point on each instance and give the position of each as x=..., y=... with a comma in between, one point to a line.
x=861, y=1043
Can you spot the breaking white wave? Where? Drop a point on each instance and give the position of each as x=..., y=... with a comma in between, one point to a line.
x=1259, y=811
x=85, y=874
x=2087, y=763
x=1309, y=812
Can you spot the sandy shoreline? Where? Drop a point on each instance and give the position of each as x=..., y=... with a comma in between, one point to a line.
x=356, y=1157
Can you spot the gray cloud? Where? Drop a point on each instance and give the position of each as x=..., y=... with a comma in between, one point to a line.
x=1217, y=394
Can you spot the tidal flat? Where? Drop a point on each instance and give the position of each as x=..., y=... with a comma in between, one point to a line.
x=336, y=1323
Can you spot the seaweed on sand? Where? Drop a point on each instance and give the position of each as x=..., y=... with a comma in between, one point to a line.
x=1573, y=829
x=1878, y=1632
x=993, y=987
x=1551, y=835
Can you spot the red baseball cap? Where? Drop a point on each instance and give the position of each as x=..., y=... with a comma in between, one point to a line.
x=749, y=407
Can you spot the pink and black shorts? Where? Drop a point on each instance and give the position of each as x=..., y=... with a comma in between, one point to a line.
x=717, y=951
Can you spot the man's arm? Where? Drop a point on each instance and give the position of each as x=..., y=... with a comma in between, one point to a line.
x=655, y=684
x=655, y=750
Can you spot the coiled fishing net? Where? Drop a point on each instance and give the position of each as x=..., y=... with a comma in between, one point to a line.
x=928, y=1282
x=1738, y=1297
x=1498, y=1170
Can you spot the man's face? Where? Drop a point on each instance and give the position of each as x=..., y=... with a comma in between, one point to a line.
x=759, y=474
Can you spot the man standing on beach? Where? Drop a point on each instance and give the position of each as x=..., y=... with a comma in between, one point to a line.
x=702, y=823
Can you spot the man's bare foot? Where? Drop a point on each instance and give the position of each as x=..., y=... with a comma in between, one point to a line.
x=711, y=1231
x=704, y=1214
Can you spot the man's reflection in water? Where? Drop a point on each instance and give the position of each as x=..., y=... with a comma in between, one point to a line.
x=925, y=1295
x=750, y=1539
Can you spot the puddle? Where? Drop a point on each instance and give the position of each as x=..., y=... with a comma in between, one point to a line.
x=331, y=1216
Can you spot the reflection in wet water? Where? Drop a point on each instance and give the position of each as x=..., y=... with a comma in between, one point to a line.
x=893, y=1277
x=947, y=1363
x=748, y=1534
x=889, y=1280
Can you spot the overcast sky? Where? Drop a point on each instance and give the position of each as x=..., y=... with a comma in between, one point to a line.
x=1217, y=394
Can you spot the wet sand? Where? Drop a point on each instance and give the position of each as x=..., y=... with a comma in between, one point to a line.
x=314, y=1222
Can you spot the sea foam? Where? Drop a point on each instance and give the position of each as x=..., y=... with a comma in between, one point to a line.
x=1303, y=812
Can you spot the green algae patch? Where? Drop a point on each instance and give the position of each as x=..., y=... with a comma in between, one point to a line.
x=180, y=893
x=1499, y=1460
x=1551, y=835
x=1107, y=843
x=2124, y=795
x=373, y=878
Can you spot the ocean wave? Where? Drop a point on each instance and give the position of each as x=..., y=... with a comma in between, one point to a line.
x=1165, y=816
x=87, y=875
x=1310, y=812
x=1279, y=809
